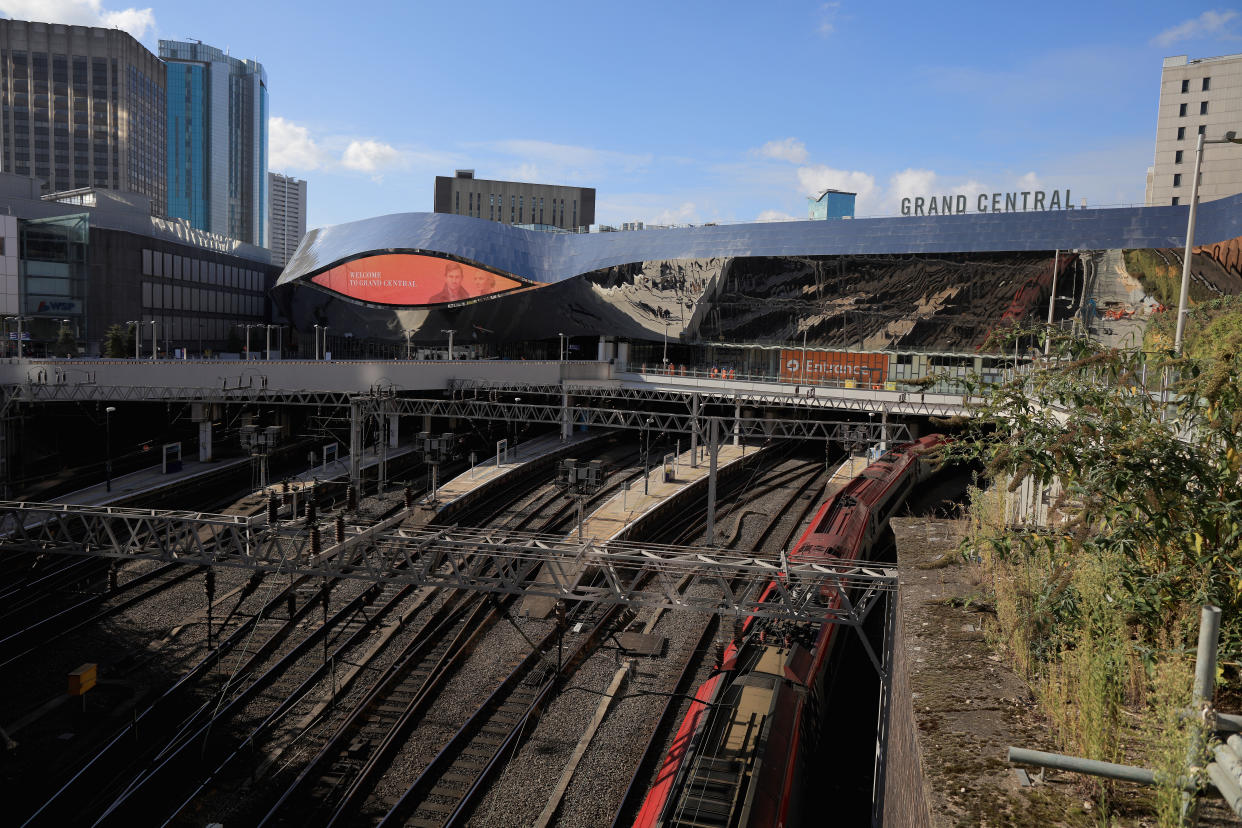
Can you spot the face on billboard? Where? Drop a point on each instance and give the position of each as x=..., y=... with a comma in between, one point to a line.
x=410, y=279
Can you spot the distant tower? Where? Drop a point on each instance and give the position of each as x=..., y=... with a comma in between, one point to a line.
x=287, y=215
x=217, y=141
x=84, y=107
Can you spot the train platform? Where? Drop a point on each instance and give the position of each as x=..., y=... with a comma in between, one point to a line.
x=491, y=471
x=339, y=468
x=145, y=481
x=623, y=510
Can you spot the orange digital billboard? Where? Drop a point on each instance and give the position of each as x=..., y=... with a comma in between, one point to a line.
x=827, y=366
x=412, y=279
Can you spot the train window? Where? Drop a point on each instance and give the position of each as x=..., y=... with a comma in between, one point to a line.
x=905, y=359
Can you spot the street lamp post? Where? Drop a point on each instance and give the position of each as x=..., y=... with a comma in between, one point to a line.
x=18, y=320
x=137, y=338
x=1231, y=137
x=155, y=340
x=561, y=337
x=450, y=336
x=665, y=344
x=408, y=334
x=108, y=412
x=316, y=340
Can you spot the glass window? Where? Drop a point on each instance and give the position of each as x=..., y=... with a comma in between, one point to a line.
x=168, y=266
x=146, y=262
x=1177, y=179
x=146, y=294
x=1202, y=129
x=168, y=296
x=1181, y=133
x=1181, y=110
x=177, y=267
x=1207, y=84
x=1177, y=157
x=1174, y=201
x=1186, y=85
x=157, y=264
x=1203, y=107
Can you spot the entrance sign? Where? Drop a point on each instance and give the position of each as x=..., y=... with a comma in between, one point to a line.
x=829, y=366
x=949, y=205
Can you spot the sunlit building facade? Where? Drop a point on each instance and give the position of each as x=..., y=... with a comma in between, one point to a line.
x=217, y=141
x=82, y=106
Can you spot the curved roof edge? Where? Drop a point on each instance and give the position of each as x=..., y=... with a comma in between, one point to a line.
x=554, y=257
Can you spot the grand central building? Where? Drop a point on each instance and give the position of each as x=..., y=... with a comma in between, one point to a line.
x=918, y=282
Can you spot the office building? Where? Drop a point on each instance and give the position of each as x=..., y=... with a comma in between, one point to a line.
x=94, y=258
x=217, y=141
x=831, y=204
x=82, y=106
x=286, y=213
x=1202, y=96
x=535, y=206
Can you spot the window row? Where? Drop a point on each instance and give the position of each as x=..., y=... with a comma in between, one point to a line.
x=1181, y=109
x=188, y=331
x=1181, y=132
x=161, y=296
x=173, y=266
x=1207, y=84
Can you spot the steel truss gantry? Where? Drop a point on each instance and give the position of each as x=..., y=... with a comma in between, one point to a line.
x=636, y=574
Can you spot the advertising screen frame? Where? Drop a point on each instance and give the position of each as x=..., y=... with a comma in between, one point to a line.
x=521, y=283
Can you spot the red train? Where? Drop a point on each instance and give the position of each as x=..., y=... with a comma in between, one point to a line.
x=738, y=755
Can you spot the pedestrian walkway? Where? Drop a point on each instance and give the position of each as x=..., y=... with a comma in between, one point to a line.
x=620, y=512
x=1114, y=289
x=145, y=481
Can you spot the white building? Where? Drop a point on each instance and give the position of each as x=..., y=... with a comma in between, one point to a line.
x=1197, y=96
x=287, y=215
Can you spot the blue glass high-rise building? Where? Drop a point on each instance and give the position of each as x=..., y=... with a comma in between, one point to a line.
x=217, y=140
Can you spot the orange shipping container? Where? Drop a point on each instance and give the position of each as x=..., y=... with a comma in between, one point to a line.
x=828, y=366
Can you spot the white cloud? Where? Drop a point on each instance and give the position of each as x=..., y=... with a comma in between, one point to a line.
x=1209, y=24
x=775, y=215
x=290, y=147
x=787, y=149
x=815, y=178
x=372, y=157
x=527, y=160
x=1030, y=181
x=828, y=18
x=80, y=13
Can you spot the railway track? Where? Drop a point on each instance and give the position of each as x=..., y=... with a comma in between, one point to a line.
x=160, y=764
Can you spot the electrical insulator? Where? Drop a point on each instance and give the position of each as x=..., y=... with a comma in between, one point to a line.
x=273, y=508
x=351, y=498
x=560, y=614
x=314, y=540
x=340, y=528
x=310, y=510
x=409, y=497
x=210, y=578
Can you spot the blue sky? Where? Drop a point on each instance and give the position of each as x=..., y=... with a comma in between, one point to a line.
x=687, y=112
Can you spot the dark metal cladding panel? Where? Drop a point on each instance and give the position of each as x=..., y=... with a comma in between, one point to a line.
x=587, y=216
x=443, y=202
